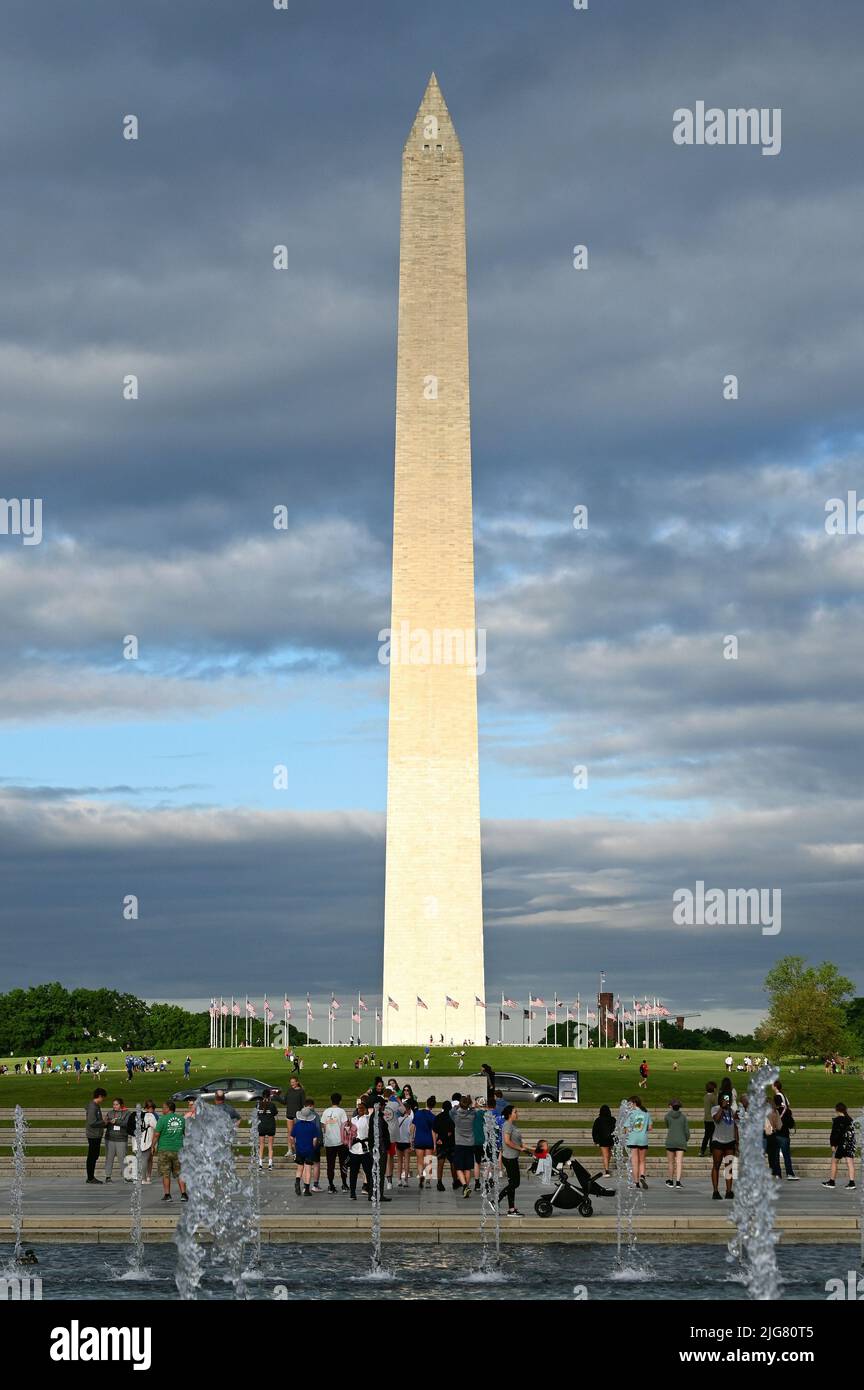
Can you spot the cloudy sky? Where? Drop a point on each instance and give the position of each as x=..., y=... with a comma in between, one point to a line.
x=260, y=388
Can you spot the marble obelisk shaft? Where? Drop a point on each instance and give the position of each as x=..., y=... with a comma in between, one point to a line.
x=433, y=927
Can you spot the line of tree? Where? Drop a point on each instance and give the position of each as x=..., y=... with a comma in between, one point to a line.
x=48, y=1019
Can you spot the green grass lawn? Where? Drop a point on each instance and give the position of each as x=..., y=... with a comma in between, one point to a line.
x=603, y=1079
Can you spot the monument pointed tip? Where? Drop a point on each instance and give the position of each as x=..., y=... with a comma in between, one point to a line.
x=433, y=103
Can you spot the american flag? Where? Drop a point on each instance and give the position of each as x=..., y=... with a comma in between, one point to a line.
x=224, y=1010
x=355, y=1017
x=268, y=1014
x=361, y=1004
x=334, y=1003
x=420, y=1004
x=250, y=1009
x=235, y=1009
x=480, y=1003
x=212, y=1010
x=537, y=1002
x=591, y=1016
x=451, y=1003
x=391, y=1004
x=286, y=1003
x=510, y=1003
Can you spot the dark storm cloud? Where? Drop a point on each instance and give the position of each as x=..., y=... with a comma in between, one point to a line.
x=231, y=901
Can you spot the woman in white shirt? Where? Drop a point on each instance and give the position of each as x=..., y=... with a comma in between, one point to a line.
x=144, y=1146
x=359, y=1152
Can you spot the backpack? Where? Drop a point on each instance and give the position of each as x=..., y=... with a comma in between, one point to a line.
x=130, y=1124
x=348, y=1133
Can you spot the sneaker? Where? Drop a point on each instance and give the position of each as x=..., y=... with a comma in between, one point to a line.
x=828, y=1183
x=270, y=1163
x=98, y=1181
x=792, y=1177
x=389, y=1184
x=107, y=1179
x=297, y=1186
x=331, y=1188
x=476, y=1184
x=643, y=1184
x=679, y=1184
x=184, y=1196
x=146, y=1181
x=353, y=1196
x=441, y=1187
x=669, y=1182
x=730, y=1196
x=316, y=1187
x=514, y=1212
x=715, y=1197
x=344, y=1187
x=466, y=1191
x=850, y=1187
x=260, y=1163
x=166, y=1196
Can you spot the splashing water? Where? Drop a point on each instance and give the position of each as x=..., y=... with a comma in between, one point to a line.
x=753, y=1244
x=16, y=1192
x=490, y=1183
x=628, y=1196
x=255, y=1193
x=219, y=1205
x=376, y=1266
x=138, y=1158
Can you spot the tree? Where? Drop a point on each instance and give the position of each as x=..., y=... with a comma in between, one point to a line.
x=807, y=1009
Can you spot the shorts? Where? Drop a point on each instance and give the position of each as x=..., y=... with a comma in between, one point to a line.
x=723, y=1148
x=671, y=1149
x=463, y=1157
x=168, y=1161
x=306, y=1157
x=478, y=1153
x=402, y=1147
x=391, y=1148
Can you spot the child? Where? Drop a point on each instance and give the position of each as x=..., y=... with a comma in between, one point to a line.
x=542, y=1161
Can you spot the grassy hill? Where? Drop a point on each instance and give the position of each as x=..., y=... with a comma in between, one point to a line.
x=603, y=1079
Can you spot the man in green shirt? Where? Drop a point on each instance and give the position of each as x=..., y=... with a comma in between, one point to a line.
x=167, y=1143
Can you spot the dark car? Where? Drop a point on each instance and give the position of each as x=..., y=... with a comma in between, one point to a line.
x=235, y=1088
x=518, y=1090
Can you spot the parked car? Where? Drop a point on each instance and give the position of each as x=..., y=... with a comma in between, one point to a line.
x=235, y=1088
x=518, y=1090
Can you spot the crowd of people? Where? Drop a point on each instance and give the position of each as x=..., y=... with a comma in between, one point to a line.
x=722, y=1108
x=445, y=1145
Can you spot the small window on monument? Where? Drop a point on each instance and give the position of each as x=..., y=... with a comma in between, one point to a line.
x=440, y=147
x=427, y=147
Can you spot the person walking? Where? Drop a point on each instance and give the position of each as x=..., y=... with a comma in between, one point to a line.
x=677, y=1139
x=444, y=1131
x=511, y=1147
x=602, y=1134
x=187, y=1068
x=295, y=1099
x=643, y=1074
x=842, y=1141
x=116, y=1137
x=94, y=1132
x=143, y=1144
x=307, y=1147
x=359, y=1155
x=637, y=1126
x=488, y=1072
x=724, y=1145
x=463, y=1144
x=333, y=1122
x=423, y=1140
x=76, y=1066
x=266, y=1113
x=787, y=1129
x=167, y=1143
x=403, y=1140
x=709, y=1100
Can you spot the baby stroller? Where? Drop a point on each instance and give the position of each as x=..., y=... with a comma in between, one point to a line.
x=566, y=1196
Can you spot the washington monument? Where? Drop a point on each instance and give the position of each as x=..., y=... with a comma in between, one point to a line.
x=433, y=913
